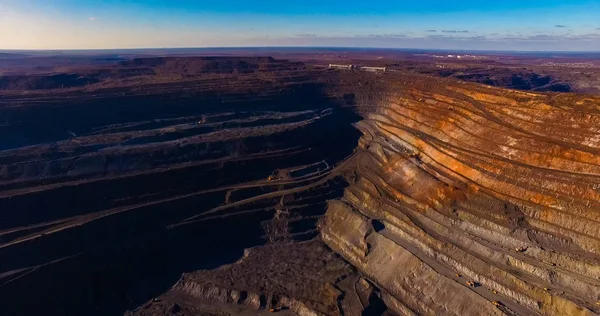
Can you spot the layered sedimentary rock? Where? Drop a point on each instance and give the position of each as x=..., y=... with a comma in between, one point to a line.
x=472, y=200
x=196, y=185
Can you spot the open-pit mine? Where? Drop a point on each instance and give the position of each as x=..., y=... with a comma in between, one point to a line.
x=253, y=186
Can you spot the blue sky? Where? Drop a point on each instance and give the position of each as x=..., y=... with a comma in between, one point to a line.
x=484, y=24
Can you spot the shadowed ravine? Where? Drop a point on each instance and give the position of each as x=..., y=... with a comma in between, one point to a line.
x=123, y=200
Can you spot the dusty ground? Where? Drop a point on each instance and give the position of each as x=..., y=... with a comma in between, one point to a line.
x=185, y=305
x=307, y=271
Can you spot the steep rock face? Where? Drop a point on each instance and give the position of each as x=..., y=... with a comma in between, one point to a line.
x=459, y=183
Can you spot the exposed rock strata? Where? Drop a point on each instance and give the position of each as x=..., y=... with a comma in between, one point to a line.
x=109, y=193
x=457, y=183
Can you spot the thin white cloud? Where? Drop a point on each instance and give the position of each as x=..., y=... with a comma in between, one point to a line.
x=92, y=18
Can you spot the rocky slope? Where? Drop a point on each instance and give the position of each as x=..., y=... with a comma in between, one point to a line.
x=221, y=186
x=472, y=200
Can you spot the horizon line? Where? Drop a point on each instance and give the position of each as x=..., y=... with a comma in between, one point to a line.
x=292, y=47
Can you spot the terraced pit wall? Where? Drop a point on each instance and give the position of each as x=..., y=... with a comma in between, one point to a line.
x=108, y=196
x=127, y=187
x=458, y=183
